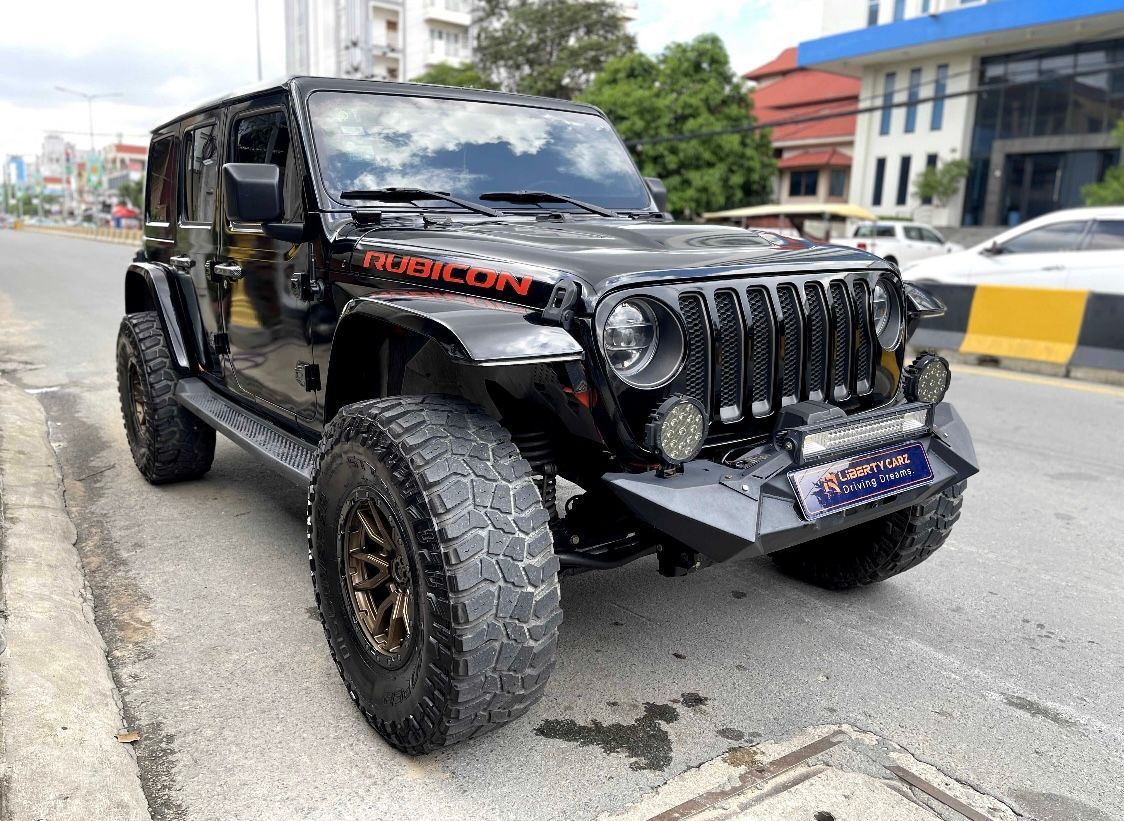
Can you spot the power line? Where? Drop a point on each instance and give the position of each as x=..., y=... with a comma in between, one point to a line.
x=869, y=109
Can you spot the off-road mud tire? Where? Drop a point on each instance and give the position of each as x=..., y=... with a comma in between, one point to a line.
x=878, y=549
x=171, y=444
x=486, y=595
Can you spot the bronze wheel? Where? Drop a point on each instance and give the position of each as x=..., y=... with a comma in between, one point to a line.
x=377, y=575
x=136, y=397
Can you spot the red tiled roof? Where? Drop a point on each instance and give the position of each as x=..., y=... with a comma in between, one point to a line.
x=785, y=61
x=808, y=94
x=816, y=159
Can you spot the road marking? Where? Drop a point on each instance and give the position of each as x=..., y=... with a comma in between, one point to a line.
x=1034, y=379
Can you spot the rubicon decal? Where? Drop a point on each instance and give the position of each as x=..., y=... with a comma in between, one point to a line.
x=457, y=273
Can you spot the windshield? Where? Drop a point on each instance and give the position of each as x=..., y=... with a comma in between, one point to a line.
x=464, y=148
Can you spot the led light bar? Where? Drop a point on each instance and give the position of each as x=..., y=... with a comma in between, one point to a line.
x=817, y=441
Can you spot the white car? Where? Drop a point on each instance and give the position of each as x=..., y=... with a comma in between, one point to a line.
x=1079, y=248
x=901, y=243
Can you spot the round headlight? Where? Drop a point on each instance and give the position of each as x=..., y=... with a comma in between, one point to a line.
x=927, y=379
x=643, y=342
x=886, y=313
x=631, y=333
x=677, y=430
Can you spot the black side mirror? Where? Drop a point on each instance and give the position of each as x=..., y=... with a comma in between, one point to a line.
x=992, y=249
x=922, y=303
x=253, y=191
x=659, y=192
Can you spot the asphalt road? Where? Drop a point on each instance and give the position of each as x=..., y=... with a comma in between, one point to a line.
x=1000, y=660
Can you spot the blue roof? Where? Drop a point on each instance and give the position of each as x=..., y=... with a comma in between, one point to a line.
x=969, y=21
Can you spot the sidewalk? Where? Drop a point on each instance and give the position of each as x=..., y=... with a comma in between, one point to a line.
x=59, y=709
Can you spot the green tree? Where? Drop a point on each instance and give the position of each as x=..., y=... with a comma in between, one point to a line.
x=1110, y=191
x=940, y=182
x=553, y=48
x=466, y=76
x=133, y=191
x=689, y=88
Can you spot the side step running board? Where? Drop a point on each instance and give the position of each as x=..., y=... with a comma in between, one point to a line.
x=290, y=456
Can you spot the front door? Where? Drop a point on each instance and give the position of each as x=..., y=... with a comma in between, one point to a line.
x=267, y=326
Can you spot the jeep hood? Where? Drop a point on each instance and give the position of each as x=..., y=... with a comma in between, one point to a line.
x=602, y=255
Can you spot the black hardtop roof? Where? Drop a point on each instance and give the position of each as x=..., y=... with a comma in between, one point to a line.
x=306, y=85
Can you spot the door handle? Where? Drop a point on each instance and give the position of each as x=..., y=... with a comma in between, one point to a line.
x=182, y=263
x=227, y=270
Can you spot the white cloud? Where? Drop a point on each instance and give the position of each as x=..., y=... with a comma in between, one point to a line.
x=754, y=31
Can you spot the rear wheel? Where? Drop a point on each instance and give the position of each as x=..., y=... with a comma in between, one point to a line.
x=877, y=549
x=168, y=443
x=433, y=567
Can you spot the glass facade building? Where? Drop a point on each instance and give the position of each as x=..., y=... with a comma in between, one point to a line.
x=1043, y=121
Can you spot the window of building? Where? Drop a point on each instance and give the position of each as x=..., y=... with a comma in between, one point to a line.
x=803, y=183
x=1108, y=235
x=838, y=184
x=913, y=95
x=930, y=162
x=200, y=174
x=940, y=88
x=872, y=13
x=1056, y=238
x=926, y=5
x=899, y=10
x=879, y=179
x=887, y=102
x=903, y=181
x=161, y=186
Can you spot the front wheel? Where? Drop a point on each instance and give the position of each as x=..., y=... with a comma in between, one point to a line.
x=878, y=549
x=433, y=567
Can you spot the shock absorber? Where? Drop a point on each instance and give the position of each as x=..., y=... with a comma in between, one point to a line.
x=538, y=449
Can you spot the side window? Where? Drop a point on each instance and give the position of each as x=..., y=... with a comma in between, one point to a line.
x=161, y=180
x=912, y=232
x=929, y=235
x=864, y=230
x=1061, y=236
x=884, y=231
x=1108, y=235
x=264, y=138
x=200, y=174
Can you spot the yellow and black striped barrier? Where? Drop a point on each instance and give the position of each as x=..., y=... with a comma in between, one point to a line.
x=1049, y=325
x=101, y=233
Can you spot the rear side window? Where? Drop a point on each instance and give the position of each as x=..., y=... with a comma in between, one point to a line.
x=1108, y=235
x=884, y=231
x=1061, y=236
x=264, y=138
x=160, y=193
x=200, y=174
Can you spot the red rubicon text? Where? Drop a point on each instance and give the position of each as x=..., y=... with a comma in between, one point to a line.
x=454, y=272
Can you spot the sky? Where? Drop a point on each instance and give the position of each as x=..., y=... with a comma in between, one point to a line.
x=159, y=63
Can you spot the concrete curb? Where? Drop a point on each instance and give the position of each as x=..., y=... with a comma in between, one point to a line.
x=59, y=709
x=125, y=236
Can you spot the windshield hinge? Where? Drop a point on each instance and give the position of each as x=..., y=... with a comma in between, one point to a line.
x=560, y=307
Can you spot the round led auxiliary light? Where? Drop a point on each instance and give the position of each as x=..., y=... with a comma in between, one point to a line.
x=677, y=430
x=927, y=379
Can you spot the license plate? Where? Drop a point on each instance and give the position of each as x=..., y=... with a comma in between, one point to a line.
x=857, y=480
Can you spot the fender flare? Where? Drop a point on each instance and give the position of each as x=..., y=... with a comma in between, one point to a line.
x=472, y=330
x=151, y=286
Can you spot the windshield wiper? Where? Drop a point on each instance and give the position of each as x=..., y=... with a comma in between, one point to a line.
x=412, y=194
x=546, y=196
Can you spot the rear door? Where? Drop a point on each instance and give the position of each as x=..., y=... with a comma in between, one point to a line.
x=267, y=326
x=195, y=238
x=1099, y=266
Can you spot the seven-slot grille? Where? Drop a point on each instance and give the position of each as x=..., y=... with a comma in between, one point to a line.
x=752, y=349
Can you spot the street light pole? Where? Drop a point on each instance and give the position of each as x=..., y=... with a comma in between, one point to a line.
x=257, y=32
x=89, y=98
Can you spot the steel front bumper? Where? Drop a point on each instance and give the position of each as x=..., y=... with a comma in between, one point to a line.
x=720, y=511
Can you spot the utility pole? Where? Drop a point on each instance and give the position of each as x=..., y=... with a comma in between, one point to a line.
x=257, y=32
x=89, y=98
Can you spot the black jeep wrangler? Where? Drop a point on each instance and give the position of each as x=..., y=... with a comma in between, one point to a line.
x=427, y=305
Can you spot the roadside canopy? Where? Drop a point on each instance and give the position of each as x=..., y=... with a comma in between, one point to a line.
x=832, y=210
